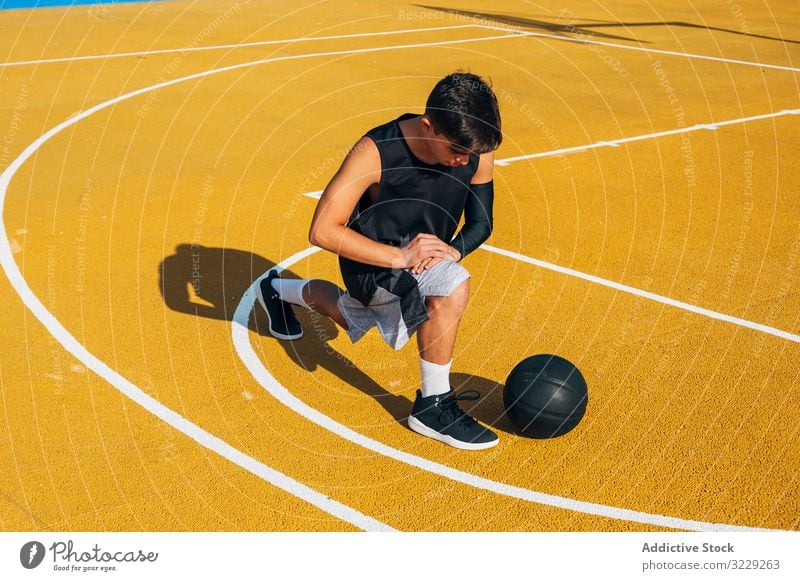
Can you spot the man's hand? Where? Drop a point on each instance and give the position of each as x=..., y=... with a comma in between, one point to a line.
x=421, y=250
x=428, y=251
x=429, y=263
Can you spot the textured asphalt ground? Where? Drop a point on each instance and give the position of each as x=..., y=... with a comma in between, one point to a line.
x=140, y=226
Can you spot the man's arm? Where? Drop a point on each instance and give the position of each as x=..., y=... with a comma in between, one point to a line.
x=477, y=216
x=478, y=209
x=361, y=169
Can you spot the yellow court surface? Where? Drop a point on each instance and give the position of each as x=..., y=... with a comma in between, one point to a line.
x=158, y=158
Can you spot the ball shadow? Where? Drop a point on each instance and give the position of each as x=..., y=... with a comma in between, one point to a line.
x=489, y=409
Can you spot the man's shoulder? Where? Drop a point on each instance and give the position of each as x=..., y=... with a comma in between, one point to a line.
x=379, y=132
x=364, y=151
x=391, y=127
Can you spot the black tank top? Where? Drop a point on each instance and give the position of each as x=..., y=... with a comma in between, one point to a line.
x=413, y=196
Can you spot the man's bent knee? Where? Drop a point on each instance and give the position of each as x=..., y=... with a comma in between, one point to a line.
x=457, y=300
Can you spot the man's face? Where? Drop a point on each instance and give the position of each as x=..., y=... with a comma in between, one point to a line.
x=447, y=152
x=443, y=149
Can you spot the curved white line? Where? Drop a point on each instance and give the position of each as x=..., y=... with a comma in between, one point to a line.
x=186, y=50
x=130, y=390
x=241, y=340
x=156, y=408
x=212, y=442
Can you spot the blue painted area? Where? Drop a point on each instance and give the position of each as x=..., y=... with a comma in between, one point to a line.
x=9, y=4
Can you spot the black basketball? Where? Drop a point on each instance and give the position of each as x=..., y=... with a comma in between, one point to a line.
x=545, y=396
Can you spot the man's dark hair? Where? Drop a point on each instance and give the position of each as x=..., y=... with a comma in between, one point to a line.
x=464, y=108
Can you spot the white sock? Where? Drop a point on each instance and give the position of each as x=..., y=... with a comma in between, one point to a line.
x=435, y=377
x=290, y=290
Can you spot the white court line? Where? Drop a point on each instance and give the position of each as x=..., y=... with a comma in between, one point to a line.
x=199, y=435
x=241, y=340
x=150, y=404
x=130, y=390
x=649, y=50
x=615, y=285
x=648, y=295
x=231, y=46
x=133, y=392
x=621, y=287
x=617, y=142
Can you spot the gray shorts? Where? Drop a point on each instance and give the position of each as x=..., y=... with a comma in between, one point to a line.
x=384, y=309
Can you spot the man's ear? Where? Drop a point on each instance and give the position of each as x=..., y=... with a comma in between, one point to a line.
x=427, y=125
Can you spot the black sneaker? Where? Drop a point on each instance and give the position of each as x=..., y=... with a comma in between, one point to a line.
x=282, y=322
x=440, y=418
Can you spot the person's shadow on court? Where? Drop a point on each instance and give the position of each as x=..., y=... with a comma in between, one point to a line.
x=210, y=282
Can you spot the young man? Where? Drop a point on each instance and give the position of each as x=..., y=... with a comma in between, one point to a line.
x=390, y=213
